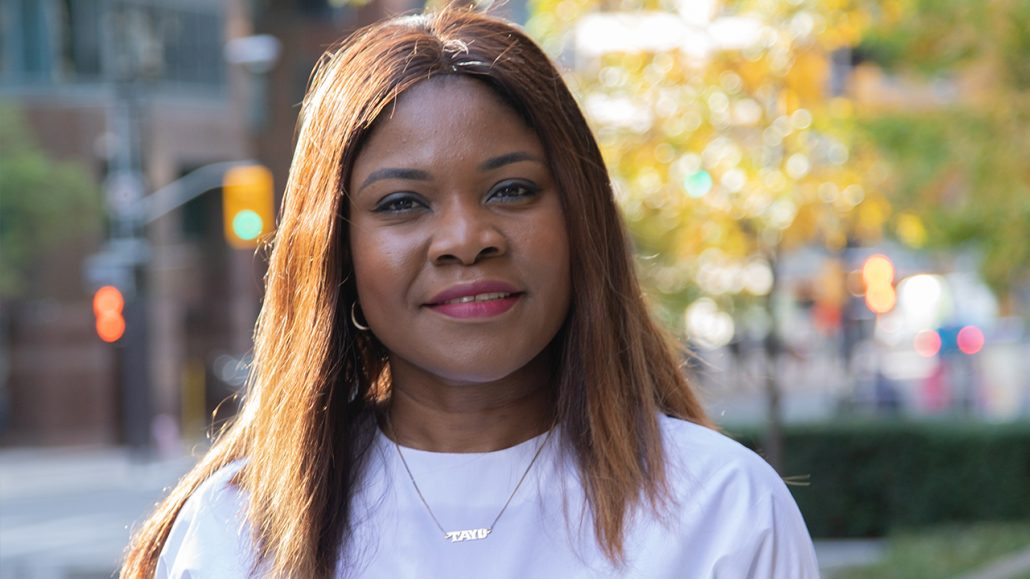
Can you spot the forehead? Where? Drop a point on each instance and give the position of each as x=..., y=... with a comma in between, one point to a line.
x=446, y=118
x=453, y=93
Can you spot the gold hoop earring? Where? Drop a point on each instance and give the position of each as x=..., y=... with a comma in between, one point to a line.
x=354, y=318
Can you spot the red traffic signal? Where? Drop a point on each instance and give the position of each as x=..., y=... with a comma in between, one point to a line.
x=108, y=304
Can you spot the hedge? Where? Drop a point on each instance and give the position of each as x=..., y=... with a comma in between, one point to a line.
x=865, y=479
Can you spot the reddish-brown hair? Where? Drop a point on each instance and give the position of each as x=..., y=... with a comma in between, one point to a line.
x=308, y=418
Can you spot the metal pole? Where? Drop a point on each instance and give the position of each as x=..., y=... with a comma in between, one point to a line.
x=124, y=188
x=773, y=351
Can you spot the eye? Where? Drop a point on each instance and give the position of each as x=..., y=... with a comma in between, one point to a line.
x=513, y=191
x=399, y=203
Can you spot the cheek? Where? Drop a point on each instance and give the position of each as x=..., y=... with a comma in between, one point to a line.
x=552, y=262
x=382, y=270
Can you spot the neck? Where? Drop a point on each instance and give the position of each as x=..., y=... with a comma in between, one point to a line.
x=469, y=417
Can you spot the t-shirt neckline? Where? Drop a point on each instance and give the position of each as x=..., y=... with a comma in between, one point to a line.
x=420, y=454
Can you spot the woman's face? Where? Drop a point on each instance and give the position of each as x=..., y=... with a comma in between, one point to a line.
x=457, y=235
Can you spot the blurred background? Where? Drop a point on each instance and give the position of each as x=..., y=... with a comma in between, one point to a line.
x=830, y=201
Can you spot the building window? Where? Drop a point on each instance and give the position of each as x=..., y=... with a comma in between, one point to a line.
x=35, y=47
x=78, y=23
x=193, y=47
x=24, y=45
x=179, y=45
x=335, y=9
x=4, y=39
x=87, y=41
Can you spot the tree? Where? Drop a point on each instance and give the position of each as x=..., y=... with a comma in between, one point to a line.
x=725, y=144
x=958, y=169
x=43, y=203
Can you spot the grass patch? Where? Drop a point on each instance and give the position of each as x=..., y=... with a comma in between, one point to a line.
x=945, y=551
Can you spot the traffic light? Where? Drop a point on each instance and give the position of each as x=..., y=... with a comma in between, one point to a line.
x=108, y=304
x=247, y=205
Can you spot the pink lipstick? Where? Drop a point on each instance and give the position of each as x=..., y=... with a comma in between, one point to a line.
x=481, y=299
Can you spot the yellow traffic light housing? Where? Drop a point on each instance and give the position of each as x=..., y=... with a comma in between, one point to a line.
x=247, y=206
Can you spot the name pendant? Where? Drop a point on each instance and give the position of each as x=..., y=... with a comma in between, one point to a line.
x=467, y=535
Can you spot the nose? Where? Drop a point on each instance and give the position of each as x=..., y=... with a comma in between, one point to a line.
x=465, y=234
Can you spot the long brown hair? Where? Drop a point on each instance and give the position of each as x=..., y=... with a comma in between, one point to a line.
x=308, y=418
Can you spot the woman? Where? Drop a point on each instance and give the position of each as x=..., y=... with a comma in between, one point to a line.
x=455, y=373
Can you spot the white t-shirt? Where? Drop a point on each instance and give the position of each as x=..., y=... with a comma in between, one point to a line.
x=732, y=518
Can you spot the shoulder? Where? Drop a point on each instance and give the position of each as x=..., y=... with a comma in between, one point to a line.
x=210, y=536
x=731, y=495
x=218, y=489
x=701, y=459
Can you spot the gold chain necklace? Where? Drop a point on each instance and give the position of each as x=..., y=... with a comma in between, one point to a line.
x=464, y=534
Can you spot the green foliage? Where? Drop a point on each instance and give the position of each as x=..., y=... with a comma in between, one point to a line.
x=945, y=551
x=961, y=166
x=43, y=203
x=912, y=37
x=723, y=160
x=869, y=479
x=1016, y=46
x=936, y=37
x=963, y=171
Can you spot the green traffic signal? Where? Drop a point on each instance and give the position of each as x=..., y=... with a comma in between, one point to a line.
x=247, y=224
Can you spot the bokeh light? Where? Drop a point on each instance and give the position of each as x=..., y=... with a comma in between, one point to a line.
x=108, y=299
x=698, y=184
x=707, y=325
x=247, y=224
x=880, y=299
x=878, y=271
x=878, y=276
x=922, y=299
x=927, y=343
x=970, y=340
x=108, y=304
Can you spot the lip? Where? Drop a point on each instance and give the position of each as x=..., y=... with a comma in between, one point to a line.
x=462, y=290
x=483, y=309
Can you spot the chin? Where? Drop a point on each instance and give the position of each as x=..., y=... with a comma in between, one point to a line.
x=466, y=364
x=474, y=376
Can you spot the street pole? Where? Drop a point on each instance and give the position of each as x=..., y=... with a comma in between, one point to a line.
x=773, y=352
x=124, y=188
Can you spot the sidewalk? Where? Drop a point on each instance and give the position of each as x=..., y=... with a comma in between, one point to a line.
x=1012, y=566
x=68, y=512
x=835, y=555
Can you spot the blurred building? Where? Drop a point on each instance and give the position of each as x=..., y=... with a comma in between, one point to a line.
x=149, y=80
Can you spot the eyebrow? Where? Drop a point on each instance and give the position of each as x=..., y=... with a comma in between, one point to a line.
x=419, y=175
x=507, y=159
x=391, y=173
